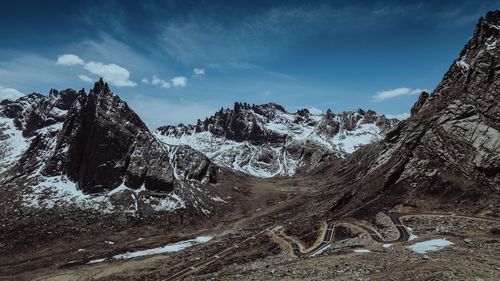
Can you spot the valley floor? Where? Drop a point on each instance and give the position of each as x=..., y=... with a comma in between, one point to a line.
x=248, y=249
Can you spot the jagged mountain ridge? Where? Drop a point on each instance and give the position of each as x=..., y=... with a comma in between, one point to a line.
x=266, y=140
x=69, y=144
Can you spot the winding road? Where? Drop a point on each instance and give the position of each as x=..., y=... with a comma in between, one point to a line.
x=296, y=247
x=395, y=217
x=404, y=235
x=327, y=240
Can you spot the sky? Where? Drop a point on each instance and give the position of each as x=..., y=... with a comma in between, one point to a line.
x=177, y=61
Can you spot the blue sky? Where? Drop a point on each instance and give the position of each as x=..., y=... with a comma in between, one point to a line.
x=321, y=54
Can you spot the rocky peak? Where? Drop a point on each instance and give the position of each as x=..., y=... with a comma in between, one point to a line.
x=100, y=143
x=100, y=87
x=64, y=99
x=303, y=112
x=329, y=114
x=422, y=98
x=35, y=111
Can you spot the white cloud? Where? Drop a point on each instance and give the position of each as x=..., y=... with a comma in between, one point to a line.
x=159, y=82
x=68, y=59
x=383, y=95
x=399, y=116
x=86, y=78
x=198, y=72
x=9, y=93
x=144, y=81
x=315, y=111
x=114, y=74
x=179, y=81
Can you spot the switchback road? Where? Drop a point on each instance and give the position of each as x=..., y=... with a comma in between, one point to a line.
x=327, y=240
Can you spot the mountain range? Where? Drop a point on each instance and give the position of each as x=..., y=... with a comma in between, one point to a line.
x=266, y=140
x=78, y=167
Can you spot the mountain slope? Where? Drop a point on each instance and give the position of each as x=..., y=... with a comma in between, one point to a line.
x=445, y=156
x=266, y=140
x=68, y=146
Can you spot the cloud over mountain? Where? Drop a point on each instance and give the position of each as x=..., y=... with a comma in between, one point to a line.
x=389, y=94
x=116, y=75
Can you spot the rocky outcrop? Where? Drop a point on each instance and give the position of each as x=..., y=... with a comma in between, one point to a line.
x=36, y=111
x=422, y=98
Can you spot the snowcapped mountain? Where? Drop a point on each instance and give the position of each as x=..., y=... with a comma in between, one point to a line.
x=92, y=150
x=266, y=140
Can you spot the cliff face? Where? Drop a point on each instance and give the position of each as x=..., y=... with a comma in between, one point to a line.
x=103, y=143
x=447, y=154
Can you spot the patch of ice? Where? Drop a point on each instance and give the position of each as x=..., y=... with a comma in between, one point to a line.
x=218, y=199
x=170, y=248
x=387, y=245
x=109, y=242
x=429, y=245
x=362, y=251
x=96, y=261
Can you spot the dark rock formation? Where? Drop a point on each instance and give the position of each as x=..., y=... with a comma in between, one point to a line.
x=97, y=142
x=420, y=102
x=36, y=111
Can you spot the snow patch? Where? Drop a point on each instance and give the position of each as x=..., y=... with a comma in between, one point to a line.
x=170, y=248
x=494, y=26
x=462, y=64
x=59, y=190
x=96, y=261
x=412, y=236
x=12, y=143
x=491, y=43
x=218, y=199
x=349, y=141
x=429, y=245
x=362, y=251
